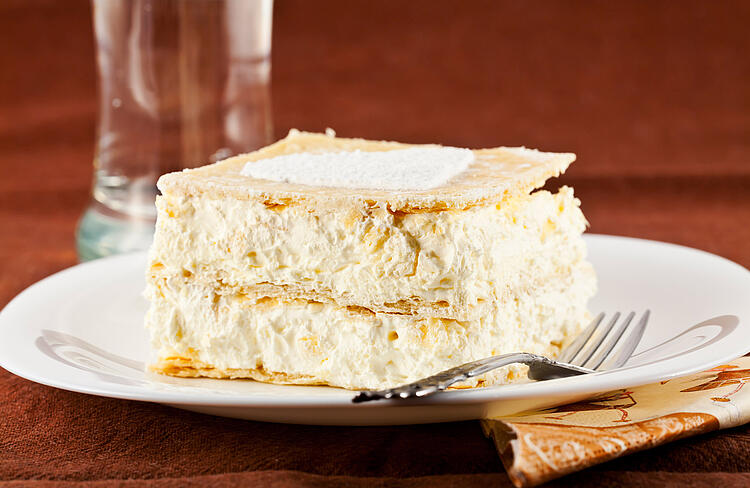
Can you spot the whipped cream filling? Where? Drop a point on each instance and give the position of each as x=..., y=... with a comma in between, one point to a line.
x=416, y=168
x=350, y=348
x=447, y=264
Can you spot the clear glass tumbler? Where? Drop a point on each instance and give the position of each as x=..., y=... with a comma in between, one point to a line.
x=181, y=83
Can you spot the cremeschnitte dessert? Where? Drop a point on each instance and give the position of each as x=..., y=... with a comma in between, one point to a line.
x=364, y=264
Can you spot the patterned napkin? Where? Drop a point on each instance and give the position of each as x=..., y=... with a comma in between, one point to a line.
x=539, y=446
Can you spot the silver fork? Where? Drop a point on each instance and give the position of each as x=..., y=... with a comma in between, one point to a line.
x=595, y=349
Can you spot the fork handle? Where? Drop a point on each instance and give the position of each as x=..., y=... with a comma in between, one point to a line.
x=540, y=367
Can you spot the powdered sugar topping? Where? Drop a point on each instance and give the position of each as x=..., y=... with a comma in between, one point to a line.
x=415, y=168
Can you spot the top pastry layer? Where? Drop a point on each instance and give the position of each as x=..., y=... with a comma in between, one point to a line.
x=494, y=175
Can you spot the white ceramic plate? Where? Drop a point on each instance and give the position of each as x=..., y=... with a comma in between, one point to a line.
x=81, y=330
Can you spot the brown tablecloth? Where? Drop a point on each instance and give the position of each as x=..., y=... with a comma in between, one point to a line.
x=653, y=96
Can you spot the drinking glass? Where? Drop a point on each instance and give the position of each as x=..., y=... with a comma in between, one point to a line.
x=181, y=83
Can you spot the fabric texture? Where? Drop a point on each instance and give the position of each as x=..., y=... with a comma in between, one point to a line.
x=652, y=96
x=539, y=446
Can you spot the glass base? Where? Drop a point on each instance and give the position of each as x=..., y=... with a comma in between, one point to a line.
x=100, y=234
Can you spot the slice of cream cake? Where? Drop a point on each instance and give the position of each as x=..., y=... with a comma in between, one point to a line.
x=364, y=264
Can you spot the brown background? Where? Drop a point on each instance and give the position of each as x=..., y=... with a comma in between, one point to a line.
x=654, y=98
